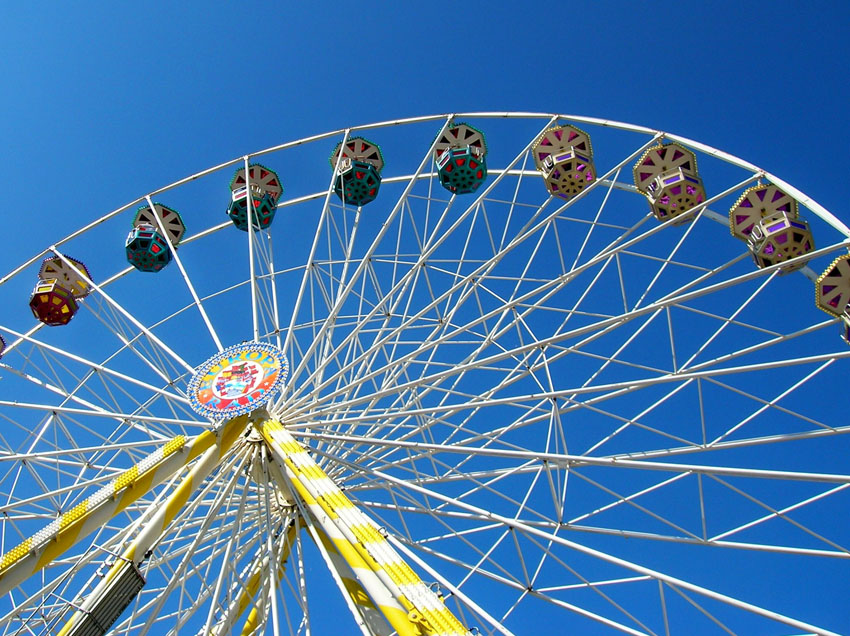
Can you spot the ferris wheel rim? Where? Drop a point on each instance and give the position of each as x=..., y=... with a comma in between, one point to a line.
x=402, y=179
x=810, y=203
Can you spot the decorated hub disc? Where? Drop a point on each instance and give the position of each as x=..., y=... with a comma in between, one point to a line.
x=238, y=380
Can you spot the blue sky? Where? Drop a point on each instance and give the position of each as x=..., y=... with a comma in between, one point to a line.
x=147, y=95
x=102, y=103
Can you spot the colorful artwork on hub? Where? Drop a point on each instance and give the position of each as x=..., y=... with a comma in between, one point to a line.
x=238, y=380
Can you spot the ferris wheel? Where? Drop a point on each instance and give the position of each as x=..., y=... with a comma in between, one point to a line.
x=484, y=373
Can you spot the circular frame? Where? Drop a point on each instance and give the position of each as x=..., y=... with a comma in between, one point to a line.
x=561, y=412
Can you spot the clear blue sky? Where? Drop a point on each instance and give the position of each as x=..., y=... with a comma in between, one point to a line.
x=143, y=97
x=103, y=102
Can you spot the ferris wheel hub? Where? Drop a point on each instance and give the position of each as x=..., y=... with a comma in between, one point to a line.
x=238, y=380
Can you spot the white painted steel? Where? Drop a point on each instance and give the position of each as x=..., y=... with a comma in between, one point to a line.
x=562, y=412
x=173, y=249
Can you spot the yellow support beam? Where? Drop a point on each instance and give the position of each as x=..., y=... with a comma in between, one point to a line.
x=165, y=514
x=37, y=551
x=373, y=621
x=409, y=605
x=370, y=621
x=252, y=586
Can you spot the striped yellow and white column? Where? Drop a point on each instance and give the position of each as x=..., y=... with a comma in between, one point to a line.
x=154, y=528
x=409, y=605
x=372, y=621
x=243, y=596
x=50, y=542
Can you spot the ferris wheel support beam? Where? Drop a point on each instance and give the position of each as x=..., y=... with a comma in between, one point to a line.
x=398, y=593
x=272, y=554
x=202, y=531
x=456, y=591
x=226, y=559
x=250, y=587
x=178, y=576
x=37, y=551
x=369, y=619
x=36, y=599
x=139, y=548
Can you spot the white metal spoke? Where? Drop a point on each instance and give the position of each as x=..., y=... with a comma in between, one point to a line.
x=189, y=285
x=557, y=410
x=121, y=310
x=612, y=559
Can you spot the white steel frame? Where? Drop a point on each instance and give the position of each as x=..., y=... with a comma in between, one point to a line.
x=527, y=447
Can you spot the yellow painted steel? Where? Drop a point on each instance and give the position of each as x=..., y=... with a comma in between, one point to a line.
x=16, y=553
x=369, y=619
x=217, y=447
x=374, y=620
x=373, y=574
x=50, y=542
x=253, y=585
x=407, y=603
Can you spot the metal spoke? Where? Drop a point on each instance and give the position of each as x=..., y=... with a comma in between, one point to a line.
x=508, y=407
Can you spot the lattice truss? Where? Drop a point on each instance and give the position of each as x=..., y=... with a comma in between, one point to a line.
x=553, y=409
